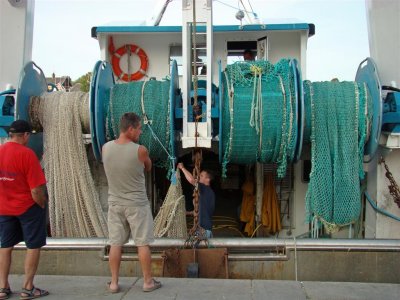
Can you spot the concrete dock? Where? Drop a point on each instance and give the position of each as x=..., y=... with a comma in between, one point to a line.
x=92, y=287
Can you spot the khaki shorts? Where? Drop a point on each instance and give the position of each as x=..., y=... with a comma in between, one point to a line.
x=124, y=220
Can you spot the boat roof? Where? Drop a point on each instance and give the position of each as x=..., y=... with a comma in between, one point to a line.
x=201, y=28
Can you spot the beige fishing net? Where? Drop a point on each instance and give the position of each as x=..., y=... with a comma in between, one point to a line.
x=74, y=206
x=171, y=219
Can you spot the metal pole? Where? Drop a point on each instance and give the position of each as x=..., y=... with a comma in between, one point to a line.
x=235, y=244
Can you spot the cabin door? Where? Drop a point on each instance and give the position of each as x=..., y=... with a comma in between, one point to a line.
x=262, y=48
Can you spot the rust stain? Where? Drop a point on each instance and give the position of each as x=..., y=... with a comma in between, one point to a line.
x=212, y=263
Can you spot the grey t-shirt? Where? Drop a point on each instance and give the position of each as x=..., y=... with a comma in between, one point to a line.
x=125, y=174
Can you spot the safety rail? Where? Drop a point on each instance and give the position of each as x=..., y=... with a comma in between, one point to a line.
x=234, y=244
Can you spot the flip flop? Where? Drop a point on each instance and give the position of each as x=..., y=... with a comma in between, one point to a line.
x=112, y=291
x=32, y=294
x=156, y=285
x=7, y=293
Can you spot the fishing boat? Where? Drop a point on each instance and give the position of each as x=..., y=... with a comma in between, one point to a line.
x=305, y=172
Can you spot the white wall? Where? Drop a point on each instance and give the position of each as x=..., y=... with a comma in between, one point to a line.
x=383, y=17
x=282, y=44
x=16, y=34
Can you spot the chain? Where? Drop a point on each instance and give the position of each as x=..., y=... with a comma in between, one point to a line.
x=196, y=155
x=196, y=233
x=196, y=174
x=393, y=187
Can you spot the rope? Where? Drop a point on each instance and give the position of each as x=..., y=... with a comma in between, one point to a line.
x=380, y=210
x=227, y=153
x=257, y=98
x=195, y=78
x=147, y=122
x=128, y=55
x=295, y=258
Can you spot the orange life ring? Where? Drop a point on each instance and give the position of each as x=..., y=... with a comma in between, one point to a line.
x=144, y=62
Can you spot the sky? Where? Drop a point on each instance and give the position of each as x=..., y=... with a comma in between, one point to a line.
x=62, y=41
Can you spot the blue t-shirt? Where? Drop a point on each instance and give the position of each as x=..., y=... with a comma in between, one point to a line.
x=206, y=206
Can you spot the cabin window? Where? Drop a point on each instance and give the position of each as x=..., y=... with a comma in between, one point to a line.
x=237, y=48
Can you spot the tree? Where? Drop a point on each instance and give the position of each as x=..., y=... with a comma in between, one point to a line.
x=84, y=82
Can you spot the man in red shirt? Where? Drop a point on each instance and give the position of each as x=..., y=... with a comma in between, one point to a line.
x=22, y=208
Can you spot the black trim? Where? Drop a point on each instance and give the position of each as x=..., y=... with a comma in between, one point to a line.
x=94, y=32
x=241, y=45
x=311, y=29
x=390, y=88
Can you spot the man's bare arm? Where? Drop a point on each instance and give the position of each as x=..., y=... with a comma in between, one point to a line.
x=144, y=158
x=188, y=175
x=39, y=195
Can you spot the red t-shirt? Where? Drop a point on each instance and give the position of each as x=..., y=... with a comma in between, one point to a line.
x=20, y=172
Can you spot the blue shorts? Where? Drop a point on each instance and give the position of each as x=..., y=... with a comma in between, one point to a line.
x=29, y=227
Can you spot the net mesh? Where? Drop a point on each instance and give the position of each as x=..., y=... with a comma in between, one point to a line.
x=171, y=218
x=150, y=98
x=259, y=114
x=74, y=206
x=340, y=114
x=259, y=125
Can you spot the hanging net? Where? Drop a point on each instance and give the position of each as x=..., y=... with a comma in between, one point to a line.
x=171, y=218
x=74, y=206
x=340, y=116
x=259, y=114
x=149, y=99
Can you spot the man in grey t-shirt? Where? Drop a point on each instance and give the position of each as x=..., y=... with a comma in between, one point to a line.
x=128, y=207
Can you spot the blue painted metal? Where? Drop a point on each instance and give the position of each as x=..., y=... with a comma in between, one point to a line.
x=32, y=83
x=391, y=113
x=296, y=104
x=300, y=109
x=173, y=94
x=215, y=112
x=368, y=73
x=6, y=111
x=220, y=93
x=103, y=84
x=92, y=102
x=216, y=28
x=8, y=92
x=178, y=113
x=202, y=99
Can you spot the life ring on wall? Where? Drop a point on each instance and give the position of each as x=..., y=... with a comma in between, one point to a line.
x=127, y=49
